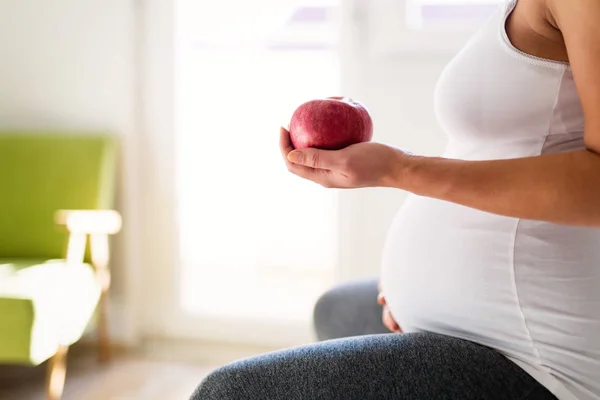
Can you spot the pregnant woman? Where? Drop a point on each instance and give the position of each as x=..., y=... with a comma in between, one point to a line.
x=492, y=266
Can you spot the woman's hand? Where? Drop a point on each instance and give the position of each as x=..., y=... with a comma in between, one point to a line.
x=387, y=318
x=357, y=166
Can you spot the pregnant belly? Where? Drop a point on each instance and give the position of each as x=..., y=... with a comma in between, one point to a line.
x=445, y=267
x=458, y=271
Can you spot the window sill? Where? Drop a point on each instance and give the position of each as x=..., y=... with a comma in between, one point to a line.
x=240, y=331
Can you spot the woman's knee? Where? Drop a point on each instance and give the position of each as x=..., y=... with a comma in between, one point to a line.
x=250, y=378
x=329, y=312
x=349, y=309
x=218, y=385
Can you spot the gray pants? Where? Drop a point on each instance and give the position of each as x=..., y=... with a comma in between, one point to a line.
x=348, y=310
x=359, y=360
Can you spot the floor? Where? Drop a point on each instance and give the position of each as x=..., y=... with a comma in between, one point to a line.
x=127, y=377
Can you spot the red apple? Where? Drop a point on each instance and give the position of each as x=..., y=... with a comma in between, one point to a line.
x=330, y=124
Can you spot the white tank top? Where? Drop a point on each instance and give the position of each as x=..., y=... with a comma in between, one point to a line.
x=529, y=289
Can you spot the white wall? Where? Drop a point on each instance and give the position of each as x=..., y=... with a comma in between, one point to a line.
x=70, y=64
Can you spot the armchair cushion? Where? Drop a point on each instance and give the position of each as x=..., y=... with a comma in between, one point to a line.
x=43, y=304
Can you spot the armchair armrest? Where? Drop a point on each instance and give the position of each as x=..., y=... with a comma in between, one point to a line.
x=90, y=221
x=97, y=224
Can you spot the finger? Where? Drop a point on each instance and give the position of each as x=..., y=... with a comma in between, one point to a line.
x=390, y=322
x=315, y=158
x=381, y=299
x=387, y=322
x=311, y=174
x=305, y=172
x=393, y=324
x=285, y=143
x=286, y=146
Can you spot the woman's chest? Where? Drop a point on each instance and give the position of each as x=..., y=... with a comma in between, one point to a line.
x=494, y=92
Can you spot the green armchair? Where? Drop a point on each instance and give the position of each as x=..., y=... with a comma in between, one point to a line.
x=57, y=190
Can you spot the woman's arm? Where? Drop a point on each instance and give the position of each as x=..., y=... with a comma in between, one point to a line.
x=561, y=188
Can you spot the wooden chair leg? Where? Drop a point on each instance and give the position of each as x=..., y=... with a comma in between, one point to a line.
x=100, y=254
x=55, y=376
x=104, y=349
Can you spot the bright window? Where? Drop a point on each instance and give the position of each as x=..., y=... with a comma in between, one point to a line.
x=256, y=242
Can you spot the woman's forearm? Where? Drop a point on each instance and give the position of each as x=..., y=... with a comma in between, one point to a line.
x=560, y=188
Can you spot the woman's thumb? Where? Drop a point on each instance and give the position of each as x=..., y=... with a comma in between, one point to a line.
x=312, y=158
x=296, y=156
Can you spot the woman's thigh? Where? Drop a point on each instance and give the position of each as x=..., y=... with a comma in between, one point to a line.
x=414, y=366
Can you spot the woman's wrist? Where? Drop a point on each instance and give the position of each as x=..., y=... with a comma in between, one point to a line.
x=423, y=176
x=403, y=171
